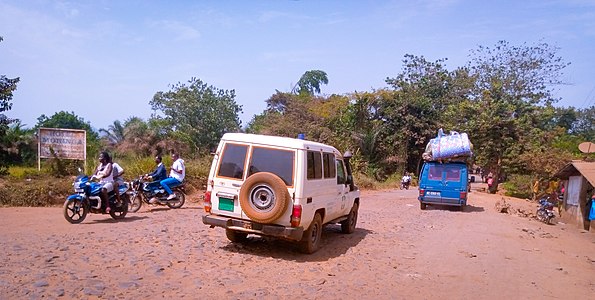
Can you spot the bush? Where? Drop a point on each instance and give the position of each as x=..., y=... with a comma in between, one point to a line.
x=518, y=186
x=34, y=192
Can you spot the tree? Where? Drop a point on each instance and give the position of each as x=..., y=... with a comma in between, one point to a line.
x=7, y=87
x=310, y=82
x=197, y=114
x=583, y=125
x=424, y=92
x=511, y=81
x=114, y=132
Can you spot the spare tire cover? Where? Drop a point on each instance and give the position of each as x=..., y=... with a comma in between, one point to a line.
x=264, y=197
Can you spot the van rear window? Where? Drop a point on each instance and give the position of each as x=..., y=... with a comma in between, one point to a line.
x=435, y=172
x=447, y=172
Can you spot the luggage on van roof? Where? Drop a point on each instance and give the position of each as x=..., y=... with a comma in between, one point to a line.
x=453, y=147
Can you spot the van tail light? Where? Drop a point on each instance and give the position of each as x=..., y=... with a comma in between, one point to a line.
x=421, y=192
x=207, y=202
x=296, y=215
x=463, y=195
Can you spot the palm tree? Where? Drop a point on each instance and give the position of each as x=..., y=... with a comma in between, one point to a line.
x=114, y=132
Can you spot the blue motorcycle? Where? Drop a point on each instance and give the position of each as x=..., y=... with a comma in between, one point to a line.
x=144, y=191
x=86, y=200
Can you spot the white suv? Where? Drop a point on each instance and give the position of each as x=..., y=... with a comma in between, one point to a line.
x=281, y=187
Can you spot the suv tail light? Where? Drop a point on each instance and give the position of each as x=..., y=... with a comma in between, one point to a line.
x=421, y=192
x=207, y=202
x=296, y=215
x=463, y=195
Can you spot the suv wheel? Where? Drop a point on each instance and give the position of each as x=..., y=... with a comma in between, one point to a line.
x=264, y=197
x=348, y=226
x=311, y=239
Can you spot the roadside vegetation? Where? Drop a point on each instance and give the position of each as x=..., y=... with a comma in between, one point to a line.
x=502, y=98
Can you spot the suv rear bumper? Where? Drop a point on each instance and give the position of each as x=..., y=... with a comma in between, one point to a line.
x=290, y=233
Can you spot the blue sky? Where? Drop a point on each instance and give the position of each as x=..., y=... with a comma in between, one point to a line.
x=104, y=60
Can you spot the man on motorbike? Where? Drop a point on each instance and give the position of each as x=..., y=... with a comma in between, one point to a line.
x=406, y=180
x=160, y=173
x=156, y=176
x=176, y=175
x=105, y=175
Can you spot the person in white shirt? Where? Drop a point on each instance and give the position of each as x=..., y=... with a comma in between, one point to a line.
x=105, y=175
x=176, y=176
x=118, y=171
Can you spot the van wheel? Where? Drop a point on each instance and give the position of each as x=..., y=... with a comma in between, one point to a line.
x=422, y=205
x=236, y=236
x=311, y=239
x=348, y=226
x=264, y=197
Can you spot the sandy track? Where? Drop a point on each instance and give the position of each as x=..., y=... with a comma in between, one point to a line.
x=397, y=250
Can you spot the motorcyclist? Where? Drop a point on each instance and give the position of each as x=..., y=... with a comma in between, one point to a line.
x=156, y=176
x=176, y=175
x=406, y=180
x=159, y=173
x=105, y=175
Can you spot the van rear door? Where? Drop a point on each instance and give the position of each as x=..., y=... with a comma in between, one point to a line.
x=442, y=183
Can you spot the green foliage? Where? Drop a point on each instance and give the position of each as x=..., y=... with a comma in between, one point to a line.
x=510, y=84
x=114, y=133
x=197, y=114
x=38, y=192
x=7, y=87
x=519, y=186
x=18, y=172
x=310, y=82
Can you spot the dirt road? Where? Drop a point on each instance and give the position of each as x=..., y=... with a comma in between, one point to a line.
x=397, y=251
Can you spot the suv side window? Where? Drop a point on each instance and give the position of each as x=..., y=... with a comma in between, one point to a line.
x=341, y=178
x=329, y=165
x=232, y=161
x=276, y=161
x=314, y=165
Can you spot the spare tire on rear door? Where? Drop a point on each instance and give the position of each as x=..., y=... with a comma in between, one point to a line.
x=264, y=197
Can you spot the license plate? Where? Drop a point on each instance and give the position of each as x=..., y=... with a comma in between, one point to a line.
x=435, y=194
x=225, y=204
x=78, y=190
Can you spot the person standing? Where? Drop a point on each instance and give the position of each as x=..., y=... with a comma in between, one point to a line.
x=176, y=175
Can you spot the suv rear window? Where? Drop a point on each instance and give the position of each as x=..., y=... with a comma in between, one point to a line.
x=276, y=161
x=233, y=161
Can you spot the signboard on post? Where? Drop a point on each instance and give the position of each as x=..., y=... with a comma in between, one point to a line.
x=61, y=143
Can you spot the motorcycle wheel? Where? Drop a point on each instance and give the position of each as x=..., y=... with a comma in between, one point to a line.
x=136, y=202
x=179, y=201
x=75, y=211
x=541, y=216
x=119, y=210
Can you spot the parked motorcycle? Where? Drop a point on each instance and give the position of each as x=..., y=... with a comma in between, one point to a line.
x=144, y=191
x=86, y=200
x=545, y=211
